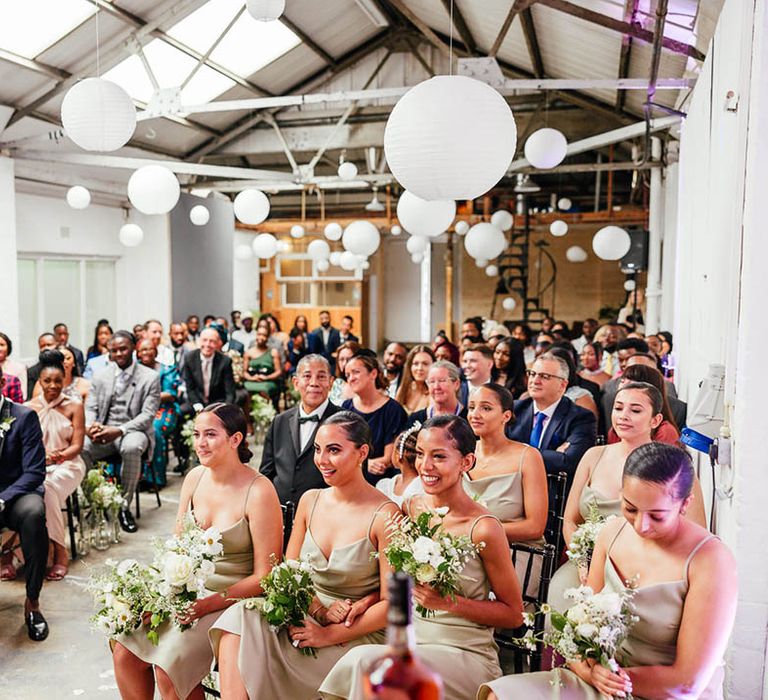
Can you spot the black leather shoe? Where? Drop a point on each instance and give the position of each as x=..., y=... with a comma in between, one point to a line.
x=127, y=523
x=37, y=627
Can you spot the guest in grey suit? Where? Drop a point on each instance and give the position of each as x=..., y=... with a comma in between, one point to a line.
x=119, y=412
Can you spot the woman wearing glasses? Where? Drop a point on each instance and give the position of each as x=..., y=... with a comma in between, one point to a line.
x=444, y=386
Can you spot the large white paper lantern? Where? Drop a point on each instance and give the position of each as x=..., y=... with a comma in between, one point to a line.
x=318, y=249
x=131, y=235
x=546, y=148
x=450, y=138
x=78, y=197
x=502, y=220
x=348, y=260
x=611, y=243
x=335, y=258
x=491, y=270
x=153, y=189
x=243, y=252
x=333, y=231
x=396, y=230
x=265, y=10
x=199, y=215
x=630, y=285
x=416, y=244
x=417, y=258
x=98, y=115
x=251, y=206
x=461, y=228
x=347, y=171
x=564, y=204
x=509, y=304
x=485, y=241
x=298, y=231
x=323, y=265
x=265, y=246
x=361, y=238
x=558, y=228
x=422, y=218
x=576, y=254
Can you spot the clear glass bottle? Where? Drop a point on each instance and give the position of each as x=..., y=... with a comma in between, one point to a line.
x=101, y=537
x=398, y=674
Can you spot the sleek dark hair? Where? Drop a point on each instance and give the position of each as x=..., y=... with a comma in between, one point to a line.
x=208, y=317
x=458, y=430
x=60, y=325
x=406, y=378
x=598, y=349
x=653, y=394
x=649, y=375
x=371, y=362
x=477, y=322
x=636, y=344
x=64, y=349
x=666, y=335
x=233, y=420
x=515, y=370
x=191, y=316
x=354, y=425
x=526, y=331
x=663, y=464
x=7, y=342
x=130, y=337
x=95, y=346
x=349, y=317
x=295, y=333
x=296, y=322
x=51, y=359
x=503, y=396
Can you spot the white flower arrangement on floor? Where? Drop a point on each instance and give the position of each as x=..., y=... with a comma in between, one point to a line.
x=98, y=492
x=262, y=411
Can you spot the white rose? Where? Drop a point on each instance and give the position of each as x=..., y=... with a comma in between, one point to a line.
x=292, y=564
x=124, y=566
x=608, y=603
x=577, y=614
x=442, y=511
x=425, y=574
x=423, y=549
x=586, y=630
x=436, y=559
x=206, y=569
x=177, y=569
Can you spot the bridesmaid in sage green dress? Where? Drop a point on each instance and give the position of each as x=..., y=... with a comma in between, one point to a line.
x=338, y=530
x=685, y=595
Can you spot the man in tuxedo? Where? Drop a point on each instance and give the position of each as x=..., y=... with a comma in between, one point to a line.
x=288, y=459
x=325, y=339
x=22, y=473
x=394, y=361
x=119, y=415
x=47, y=341
x=208, y=373
x=61, y=332
x=551, y=422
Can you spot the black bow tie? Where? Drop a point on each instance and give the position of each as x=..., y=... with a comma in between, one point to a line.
x=309, y=419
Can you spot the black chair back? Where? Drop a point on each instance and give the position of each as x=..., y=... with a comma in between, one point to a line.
x=553, y=533
x=289, y=513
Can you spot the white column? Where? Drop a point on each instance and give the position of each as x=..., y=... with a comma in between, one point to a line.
x=425, y=269
x=9, y=289
x=655, y=235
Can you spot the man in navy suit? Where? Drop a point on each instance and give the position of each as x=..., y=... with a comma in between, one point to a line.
x=325, y=339
x=551, y=422
x=22, y=473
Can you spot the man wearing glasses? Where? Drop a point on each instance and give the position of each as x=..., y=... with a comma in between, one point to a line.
x=551, y=422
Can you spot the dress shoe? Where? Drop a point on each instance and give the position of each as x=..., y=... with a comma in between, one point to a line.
x=37, y=627
x=127, y=523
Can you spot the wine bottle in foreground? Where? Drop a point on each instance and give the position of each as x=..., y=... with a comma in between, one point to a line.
x=398, y=674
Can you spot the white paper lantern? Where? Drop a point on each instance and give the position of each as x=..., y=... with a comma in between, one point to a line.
x=564, y=204
x=630, y=285
x=576, y=254
x=558, y=228
x=546, y=148
x=484, y=241
x=348, y=260
x=361, y=238
x=297, y=231
x=265, y=246
x=492, y=271
x=131, y=235
x=426, y=140
x=333, y=231
x=243, y=252
x=318, y=249
x=335, y=258
x=98, y=115
x=153, y=189
x=365, y=265
x=265, y=10
x=199, y=215
x=396, y=230
x=481, y=262
x=502, y=220
x=347, y=171
x=417, y=258
x=416, y=244
x=283, y=246
x=323, y=265
x=509, y=304
x=78, y=197
x=611, y=243
x=422, y=218
x=251, y=206
x=461, y=228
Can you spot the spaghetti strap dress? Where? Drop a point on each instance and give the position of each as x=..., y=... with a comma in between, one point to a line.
x=270, y=666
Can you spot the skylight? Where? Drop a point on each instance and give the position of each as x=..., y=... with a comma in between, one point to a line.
x=30, y=27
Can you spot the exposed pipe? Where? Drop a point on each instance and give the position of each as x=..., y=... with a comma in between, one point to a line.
x=658, y=36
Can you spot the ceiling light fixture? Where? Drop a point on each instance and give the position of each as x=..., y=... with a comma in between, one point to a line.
x=525, y=185
x=375, y=204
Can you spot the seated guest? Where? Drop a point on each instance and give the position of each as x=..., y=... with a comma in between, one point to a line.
x=587, y=337
x=12, y=389
x=12, y=368
x=444, y=385
x=477, y=363
x=119, y=411
x=325, y=339
x=345, y=332
x=578, y=394
x=180, y=346
x=385, y=417
x=46, y=341
x=412, y=394
x=296, y=350
x=407, y=483
x=509, y=366
x=650, y=360
x=551, y=422
x=444, y=349
x=62, y=421
x=208, y=373
x=154, y=333
x=22, y=472
x=287, y=459
x=301, y=324
x=235, y=317
x=139, y=331
x=524, y=334
x=608, y=336
x=61, y=332
x=560, y=331
x=193, y=328
x=208, y=320
x=261, y=367
x=241, y=504
x=340, y=390
x=543, y=343
x=472, y=328
x=625, y=349
x=393, y=360
x=276, y=334
x=591, y=358
x=245, y=335
x=75, y=387
x=97, y=356
x=685, y=594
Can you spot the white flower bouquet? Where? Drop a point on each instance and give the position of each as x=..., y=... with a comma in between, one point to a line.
x=262, y=411
x=188, y=433
x=583, y=540
x=98, y=492
x=428, y=553
x=121, y=595
x=288, y=592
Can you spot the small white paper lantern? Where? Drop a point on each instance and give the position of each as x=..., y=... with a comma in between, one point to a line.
x=335, y=258
x=509, y=304
x=422, y=218
x=251, y=206
x=502, y=220
x=348, y=260
x=365, y=265
x=318, y=249
x=426, y=144
x=333, y=231
x=630, y=285
x=199, y=215
x=323, y=265
x=461, y=228
x=283, y=246
x=78, y=197
x=396, y=230
x=265, y=246
x=361, y=238
x=492, y=271
x=131, y=235
x=485, y=241
x=243, y=252
x=546, y=148
x=558, y=228
x=611, y=243
x=481, y=262
x=576, y=254
x=153, y=189
x=347, y=171
x=416, y=244
x=297, y=231
x=417, y=258
x=564, y=204
x=265, y=10
x=98, y=115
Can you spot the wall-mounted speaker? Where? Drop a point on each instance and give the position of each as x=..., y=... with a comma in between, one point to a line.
x=636, y=260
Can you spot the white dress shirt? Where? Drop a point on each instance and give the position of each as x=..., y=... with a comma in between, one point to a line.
x=306, y=429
